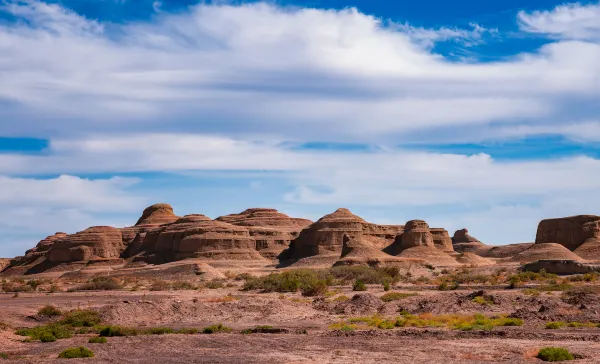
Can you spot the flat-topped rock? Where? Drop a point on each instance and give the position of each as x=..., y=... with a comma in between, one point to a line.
x=417, y=233
x=197, y=236
x=442, y=239
x=103, y=242
x=577, y=233
x=272, y=230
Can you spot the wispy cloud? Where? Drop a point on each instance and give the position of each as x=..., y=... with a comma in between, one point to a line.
x=569, y=21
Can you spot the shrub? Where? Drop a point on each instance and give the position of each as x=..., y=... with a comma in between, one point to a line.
x=555, y=325
x=213, y=329
x=482, y=300
x=396, y=296
x=100, y=284
x=111, y=331
x=49, y=311
x=4, y=356
x=341, y=298
x=97, y=340
x=368, y=275
x=359, y=286
x=81, y=318
x=555, y=354
x=36, y=333
x=160, y=331
x=290, y=281
x=342, y=326
x=215, y=284
x=79, y=352
x=187, y=331
x=386, y=286
x=47, y=337
x=314, y=288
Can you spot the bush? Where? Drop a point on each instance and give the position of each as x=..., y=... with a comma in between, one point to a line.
x=290, y=281
x=396, y=296
x=555, y=325
x=79, y=352
x=47, y=337
x=215, y=284
x=49, y=311
x=81, y=318
x=160, y=331
x=316, y=288
x=56, y=330
x=342, y=326
x=555, y=354
x=368, y=275
x=386, y=286
x=112, y=331
x=100, y=284
x=97, y=340
x=213, y=329
x=359, y=286
x=187, y=331
x=482, y=300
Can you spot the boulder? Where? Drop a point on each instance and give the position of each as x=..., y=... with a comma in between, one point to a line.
x=103, y=242
x=272, y=230
x=197, y=236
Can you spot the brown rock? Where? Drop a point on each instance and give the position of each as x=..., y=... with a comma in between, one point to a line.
x=4, y=263
x=546, y=251
x=102, y=242
x=197, y=236
x=430, y=255
x=506, y=251
x=475, y=260
x=465, y=243
x=272, y=230
x=441, y=239
x=416, y=233
x=571, y=232
x=157, y=214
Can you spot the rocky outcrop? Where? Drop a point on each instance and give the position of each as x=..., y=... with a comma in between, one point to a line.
x=342, y=234
x=99, y=242
x=506, y=251
x=416, y=233
x=157, y=214
x=197, y=236
x=474, y=260
x=272, y=230
x=4, y=263
x=465, y=243
x=576, y=233
x=563, y=267
x=429, y=255
x=546, y=251
x=442, y=239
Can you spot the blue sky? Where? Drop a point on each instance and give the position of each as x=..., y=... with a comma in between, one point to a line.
x=477, y=114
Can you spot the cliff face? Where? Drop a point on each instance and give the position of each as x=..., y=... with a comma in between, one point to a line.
x=576, y=233
x=96, y=242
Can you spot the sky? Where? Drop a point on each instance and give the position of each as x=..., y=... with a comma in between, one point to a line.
x=468, y=114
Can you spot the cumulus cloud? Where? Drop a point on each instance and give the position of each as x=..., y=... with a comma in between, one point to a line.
x=568, y=21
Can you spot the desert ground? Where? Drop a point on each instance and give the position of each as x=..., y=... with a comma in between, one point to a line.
x=337, y=325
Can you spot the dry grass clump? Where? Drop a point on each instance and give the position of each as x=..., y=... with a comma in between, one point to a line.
x=456, y=322
x=160, y=285
x=309, y=282
x=396, y=296
x=218, y=328
x=555, y=354
x=49, y=311
x=555, y=325
x=73, y=353
x=99, y=284
x=483, y=300
x=97, y=340
x=368, y=275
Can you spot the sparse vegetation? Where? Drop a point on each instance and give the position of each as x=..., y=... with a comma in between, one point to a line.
x=555, y=325
x=342, y=326
x=396, y=296
x=359, y=285
x=187, y=331
x=79, y=352
x=47, y=338
x=49, y=311
x=81, y=318
x=483, y=300
x=112, y=331
x=305, y=280
x=100, y=284
x=213, y=329
x=160, y=331
x=97, y=340
x=368, y=275
x=215, y=283
x=58, y=331
x=555, y=354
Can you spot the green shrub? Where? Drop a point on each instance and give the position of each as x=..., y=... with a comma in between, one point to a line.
x=111, y=331
x=368, y=275
x=386, y=286
x=555, y=354
x=314, y=288
x=100, y=284
x=187, y=331
x=79, y=352
x=342, y=326
x=47, y=337
x=49, y=311
x=555, y=325
x=482, y=300
x=359, y=286
x=290, y=281
x=213, y=329
x=36, y=333
x=396, y=296
x=4, y=356
x=81, y=318
x=97, y=340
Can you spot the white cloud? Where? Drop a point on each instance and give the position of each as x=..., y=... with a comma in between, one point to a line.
x=568, y=21
x=260, y=69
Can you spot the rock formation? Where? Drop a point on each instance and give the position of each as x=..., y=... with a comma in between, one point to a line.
x=475, y=260
x=416, y=233
x=99, y=242
x=429, y=255
x=272, y=230
x=577, y=233
x=157, y=214
x=342, y=234
x=4, y=263
x=465, y=243
x=546, y=251
x=564, y=267
x=442, y=239
x=197, y=236
x=506, y=251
